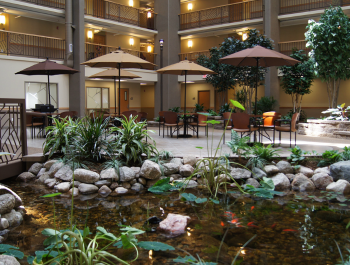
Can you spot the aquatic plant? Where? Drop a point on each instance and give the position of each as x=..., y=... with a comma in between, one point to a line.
x=297, y=155
x=239, y=145
x=266, y=190
x=329, y=157
x=262, y=154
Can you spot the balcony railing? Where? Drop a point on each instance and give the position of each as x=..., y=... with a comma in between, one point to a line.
x=222, y=14
x=93, y=50
x=49, y=3
x=192, y=56
x=288, y=46
x=121, y=13
x=295, y=6
x=29, y=45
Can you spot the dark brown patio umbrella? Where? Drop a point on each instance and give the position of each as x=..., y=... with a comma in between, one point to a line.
x=48, y=68
x=258, y=56
x=114, y=73
x=119, y=59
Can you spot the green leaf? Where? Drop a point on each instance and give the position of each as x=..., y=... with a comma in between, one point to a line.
x=237, y=104
x=187, y=259
x=161, y=186
x=212, y=122
x=189, y=197
x=51, y=195
x=15, y=253
x=50, y=232
x=30, y=259
x=214, y=201
x=343, y=204
x=44, y=254
x=119, y=244
x=6, y=247
x=156, y=246
x=267, y=183
x=103, y=232
x=201, y=200
x=132, y=230
x=199, y=147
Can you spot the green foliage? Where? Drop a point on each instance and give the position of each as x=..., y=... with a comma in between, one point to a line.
x=266, y=191
x=156, y=246
x=297, y=155
x=199, y=107
x=165, y=155
x=330, y=157
x=189, y=197
x=175, y=109
x=157, y=119
x=9, y=250
x=161, y=186
x=262, y=154
x=241, y=97
x=289, y=115
x=192, y=261
x=329, y=40
x=238, y=145
x=225, y=108
x=340, y=113
x=265, y=104
x=346, y=153
x=212, y=113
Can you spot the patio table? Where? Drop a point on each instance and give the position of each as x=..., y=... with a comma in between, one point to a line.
x=262, y=129
x=185, y=118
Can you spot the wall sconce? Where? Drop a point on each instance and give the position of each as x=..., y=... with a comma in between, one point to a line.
x=149, y=48
x=190, y=44
x=89, y=34
x=244, y=36
x=2, y=19
x=149, y=14
x=131, y=41
x=131, y=2
x=189, y=6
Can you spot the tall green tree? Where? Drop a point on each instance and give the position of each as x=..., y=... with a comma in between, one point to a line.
x=297, y=79
x=329, y=40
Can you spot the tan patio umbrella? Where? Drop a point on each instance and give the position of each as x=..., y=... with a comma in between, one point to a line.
x=119, y=59
x=258, y=56
x=185, y=68
x=114, y=73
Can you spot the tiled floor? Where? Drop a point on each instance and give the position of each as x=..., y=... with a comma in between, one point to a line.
x=189, y=146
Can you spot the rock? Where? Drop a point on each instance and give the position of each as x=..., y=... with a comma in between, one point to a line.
x=35, y=168
x=190, y=160
x=176, y=161
x=109, y=205
x=258, y=173
x=8, y=260
x=285, y=167
x=305, y=171
x=150, y=170
x=174, y=224
x=186, y=170
x=104, y=191
x=170, y=168
x=14, y=218
x=136, y=170
x=137, y=187
x=114, y=185
x=21, y=210
x=26, y=177
x=49, y=164
x=109, y=173
x=321, y=180
x=121, y=190
x=175, y=176
x=42, y=178
x=240, y=173
x=86, y=176
x=143, y=181
x=54, y=168
x=341, y=185
x=101, y=183
x=253, y=182
x=126, y=174
x=50, y=183
x=5, y=190
x=187, y=183
x=281, y=182
x=7, y=203
x=302, y=183
x=271, y=170
x=151, y=182
x=322, y=169
x=290, y=177
x=41, y=172
x=133, y=182
x=65, y=173
x=87, y=188
x=4, y=223
x=75, y=190
x=63, y=187
x=340, y=170
x=76, y=183
x=223, y=178
x=126, y=185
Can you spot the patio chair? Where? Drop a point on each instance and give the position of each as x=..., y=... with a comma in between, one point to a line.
x=172, y=120
x=35, y=120
x=199, y=121
x=129, y=113
x=291, y=127
x=269, y=119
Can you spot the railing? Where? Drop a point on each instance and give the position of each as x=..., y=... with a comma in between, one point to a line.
x=192, y=56
x=288, y=46
x=295, y=6
x=121, y=13
x=13, y=43
x=222, y=14
x=50, y=3
x=93, y=50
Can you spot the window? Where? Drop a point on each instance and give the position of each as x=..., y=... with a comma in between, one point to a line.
x=36, y=93
x=97, y=98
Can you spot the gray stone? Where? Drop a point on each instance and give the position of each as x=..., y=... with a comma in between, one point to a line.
x=177, y=161
x=121, y=190
x=8, y=260
x=143, y=181
x=240, y=173
x=223, y=178
x=4, y=223
x=54, y=168
x=7, y=203
x=87, y=188
x=290, y=177
x=14, y=218
x=258, y=173
x=136, y=169
x=187, y=183
x=76, y=183
x=174, y=224
x=302, y=183
x=186, y=170
x=285, y=167
x=340, y=170
x=271, y=170
x=150, y=183
x=170, y=168
x=41, y=172
x=21, y=210
x=109, y=173
x=322, y=180
x=322, y=169
x=150, y=170
x=253, y=182
x=104, y=191
x=109, y=205
x=126, y=174
x=26, y=177
x=86, y=176
x=49, y=164
x=190, y=160
x=63, y=187
x=281, y=182
x=65, y=173
x=114, y=185
x=106, y=182
x=75, y=190
x=126, y=185
x=42, y=178
x=341, y=185
x=5, y=190
x=175, y=176
x=50, y=183
x=305, y=171
x=137, y=187
x=35, y=168
x=133, y=182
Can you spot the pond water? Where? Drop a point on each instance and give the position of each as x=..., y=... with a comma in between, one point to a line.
x=289, y=230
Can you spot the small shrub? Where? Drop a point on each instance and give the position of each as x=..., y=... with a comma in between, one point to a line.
x=262, y=155
x=265, y=104
x=175, y=109
x=239, y=144
x=297, y=155
x=225, y=108
x=199, y=107
x=346, y=153
x=330, y=157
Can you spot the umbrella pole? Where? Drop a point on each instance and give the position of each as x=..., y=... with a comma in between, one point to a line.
x=185, y=120
x=48, y=88
x=256, y=91
x=115, y=96
x=119, y=90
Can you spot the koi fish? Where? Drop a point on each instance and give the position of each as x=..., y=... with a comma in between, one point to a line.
x=229, y=214
x=252, y=208
x=273, y=226
x=234, y=221
x=290, y=230
x=222, y=223
x=251, y=225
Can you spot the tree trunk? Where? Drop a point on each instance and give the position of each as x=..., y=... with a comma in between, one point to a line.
x=333, y=92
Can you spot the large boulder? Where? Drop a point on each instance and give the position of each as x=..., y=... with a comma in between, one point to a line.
x=41, y=172
x=150, y=170
x=48, y=164
x=126, y=174
x=322, y=180
x=253, y=182
x=174, y=224
x=35, y=168
x=7, y=203
x=186, y=170
x=87, y=188
x=5, y=190
x=257, y=173
x=240, y=173
x=308, y=172
x=109, y=173
x=8, y=260
x=281, y=182
x=341, y=185
x=190, y=160
x=4, y=223
x=65, y=173
x=176, y=161
x=170, y=168
x=54, y=168
x=63, y=187
x=340, y=170
x=14, y=218
x=285, y=167
x=26, y=177
x=322, y=169
x=271, y=170
x=302, y=183
x=86, y=176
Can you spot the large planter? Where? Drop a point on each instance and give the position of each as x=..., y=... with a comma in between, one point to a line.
x=335, y=129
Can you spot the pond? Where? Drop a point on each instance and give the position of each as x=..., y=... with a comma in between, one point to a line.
x=291, y=229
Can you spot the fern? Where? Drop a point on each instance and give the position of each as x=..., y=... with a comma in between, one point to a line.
x=238, y=145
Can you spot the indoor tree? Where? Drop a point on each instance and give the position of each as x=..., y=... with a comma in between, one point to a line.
x=297, y=79
x=329, y=40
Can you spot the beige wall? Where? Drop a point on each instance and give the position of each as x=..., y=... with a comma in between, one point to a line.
x=122, y=41
x=147, y=100
x=202, y=4
x=126, y=2
x=192, y=92
x=202, y=44
x=292, y=33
